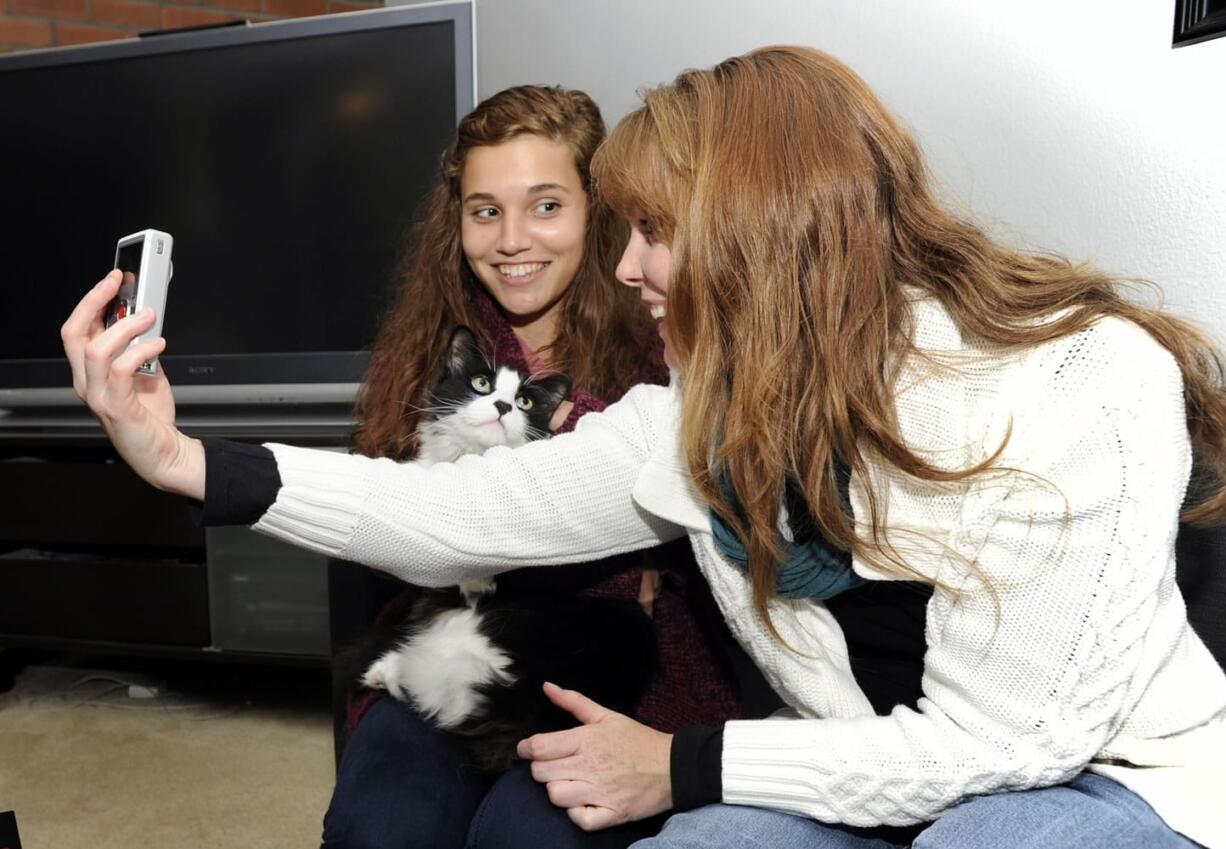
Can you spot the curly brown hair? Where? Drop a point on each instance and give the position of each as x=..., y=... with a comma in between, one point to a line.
x=601, y=330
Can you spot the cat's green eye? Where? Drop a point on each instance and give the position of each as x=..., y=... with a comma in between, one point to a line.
x=523, y=402
x=482, y=384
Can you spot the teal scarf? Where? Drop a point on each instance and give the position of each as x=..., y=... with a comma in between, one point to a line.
x=811, y=567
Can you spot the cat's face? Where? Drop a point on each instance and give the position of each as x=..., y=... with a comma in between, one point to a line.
x=481, y=404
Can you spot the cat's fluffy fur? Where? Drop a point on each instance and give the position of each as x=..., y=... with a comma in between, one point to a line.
x=472, y=659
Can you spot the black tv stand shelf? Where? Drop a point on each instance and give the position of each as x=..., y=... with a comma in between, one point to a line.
x=93, y=559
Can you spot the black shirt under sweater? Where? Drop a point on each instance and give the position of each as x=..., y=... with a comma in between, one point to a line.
x=882, y=621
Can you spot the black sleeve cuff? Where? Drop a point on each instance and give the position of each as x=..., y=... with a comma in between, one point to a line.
x=695, y=766
x=241, y=482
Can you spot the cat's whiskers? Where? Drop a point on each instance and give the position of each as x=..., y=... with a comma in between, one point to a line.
x=442, y=408
x=416, y=408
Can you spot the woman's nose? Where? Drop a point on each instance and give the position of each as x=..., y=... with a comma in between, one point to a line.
x=629, y=270
x=513, y=236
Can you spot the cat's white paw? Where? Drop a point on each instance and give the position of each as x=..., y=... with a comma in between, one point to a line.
x=473, y=590
x=379, y=674
x=388, y=673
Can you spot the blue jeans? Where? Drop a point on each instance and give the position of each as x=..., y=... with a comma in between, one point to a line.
x=403, y=784
x=1090, y=812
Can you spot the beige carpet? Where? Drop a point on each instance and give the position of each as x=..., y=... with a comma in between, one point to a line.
x=220, y=756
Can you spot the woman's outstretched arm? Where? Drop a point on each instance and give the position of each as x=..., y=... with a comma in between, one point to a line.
x=564, y=500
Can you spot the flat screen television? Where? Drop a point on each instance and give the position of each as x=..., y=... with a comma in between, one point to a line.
x=287, y=159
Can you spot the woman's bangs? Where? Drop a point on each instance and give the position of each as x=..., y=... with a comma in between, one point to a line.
x=630, y=174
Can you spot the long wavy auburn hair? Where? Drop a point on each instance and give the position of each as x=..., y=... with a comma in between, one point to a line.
x=796, y=207
x=601, y=330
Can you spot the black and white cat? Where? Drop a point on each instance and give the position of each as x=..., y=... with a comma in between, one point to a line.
x=472, y=659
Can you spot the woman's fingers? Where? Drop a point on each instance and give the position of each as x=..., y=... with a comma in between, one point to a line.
x=575, y=703
x=106, y=359
x=551, y=745
x=123, y=368
x=88, y=311
x=85, y=322
x=561, y=769
x=569, y=794
x=560, y=415
x=593, y=817
x=649, y=588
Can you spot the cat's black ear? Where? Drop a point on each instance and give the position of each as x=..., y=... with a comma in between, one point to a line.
x=462, y=350
x=556, y=387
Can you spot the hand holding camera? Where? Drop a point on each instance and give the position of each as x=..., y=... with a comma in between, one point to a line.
x=112, y=342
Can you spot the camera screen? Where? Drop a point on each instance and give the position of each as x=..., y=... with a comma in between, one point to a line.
x=124, y=302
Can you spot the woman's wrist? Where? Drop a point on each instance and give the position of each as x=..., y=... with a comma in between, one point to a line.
x=241, y=482
x=186, y=472
x=695, y=766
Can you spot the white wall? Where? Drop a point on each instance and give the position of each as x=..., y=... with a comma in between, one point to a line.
x=1071, y=126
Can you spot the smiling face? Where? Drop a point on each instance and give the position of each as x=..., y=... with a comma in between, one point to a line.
x=645, y=265
x=524, y=216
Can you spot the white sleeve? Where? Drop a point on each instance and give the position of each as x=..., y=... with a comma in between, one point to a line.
x=1028, y=673
x=561, y=500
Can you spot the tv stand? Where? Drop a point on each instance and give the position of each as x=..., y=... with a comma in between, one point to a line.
x=94, y=559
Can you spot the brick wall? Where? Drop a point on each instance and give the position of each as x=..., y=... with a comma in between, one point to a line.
x=26, y=24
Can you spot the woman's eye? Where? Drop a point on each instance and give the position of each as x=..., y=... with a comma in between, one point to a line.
x=485, y=212
x=548, y=207
x=649, y=232
x=523, y=402
x=481, y=383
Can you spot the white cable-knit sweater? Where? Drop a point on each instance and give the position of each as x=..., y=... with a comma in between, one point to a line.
x=1066, y=642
